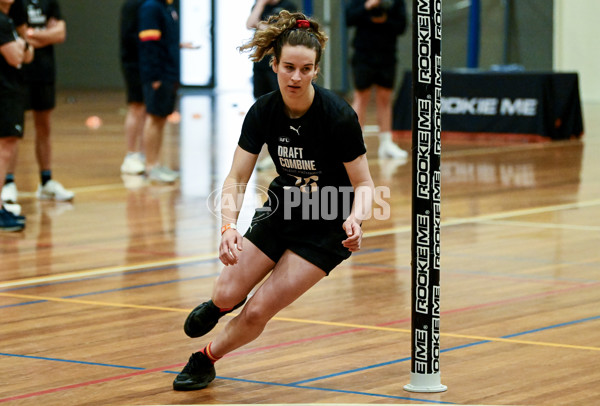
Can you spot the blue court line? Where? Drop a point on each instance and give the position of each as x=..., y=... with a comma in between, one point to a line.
x=448, y=349
x=22, y=304
x=383, y=364
x=99, y=292
x=71, y=361
x=351, y=371
x=568, y=323
x=115, y=275
x=299, y=384
x=147, y=285
x=363, y=252
x=293, y=385
x=137, y=271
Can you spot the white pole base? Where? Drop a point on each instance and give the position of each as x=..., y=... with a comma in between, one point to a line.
x=425, y=383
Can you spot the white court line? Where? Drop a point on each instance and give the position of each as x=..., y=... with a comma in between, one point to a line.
x=83, y=189
x=371, y=129
x=542, y=225
x=492, y=217
x=106, y=270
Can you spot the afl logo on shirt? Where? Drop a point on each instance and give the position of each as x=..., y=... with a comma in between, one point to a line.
x=284, y=140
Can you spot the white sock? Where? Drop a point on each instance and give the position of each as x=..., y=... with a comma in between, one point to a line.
x=385, y=137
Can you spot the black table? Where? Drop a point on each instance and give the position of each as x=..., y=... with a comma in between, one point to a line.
x=545, y=104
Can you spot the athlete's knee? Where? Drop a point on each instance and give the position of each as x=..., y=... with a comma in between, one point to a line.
x=256, y=314
x=226, y=296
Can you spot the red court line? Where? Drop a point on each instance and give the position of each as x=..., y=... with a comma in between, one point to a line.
x=502, y=302
x=168, y=367
x=287, y=344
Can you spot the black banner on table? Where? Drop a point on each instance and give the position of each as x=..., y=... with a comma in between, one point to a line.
x=426, y=196
x=540, y=104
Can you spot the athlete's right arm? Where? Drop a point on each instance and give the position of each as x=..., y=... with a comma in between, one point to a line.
x=232, y=197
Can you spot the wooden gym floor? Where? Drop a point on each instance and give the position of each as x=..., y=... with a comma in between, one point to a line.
x=93, y=294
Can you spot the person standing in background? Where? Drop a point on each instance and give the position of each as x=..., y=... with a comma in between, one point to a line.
x=14, y=51
x=264, y=80
x=378, y=24
x=43, y=28
x=134, y=162
x=159, y=72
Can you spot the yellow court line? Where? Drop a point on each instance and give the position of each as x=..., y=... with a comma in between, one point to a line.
x=465, y=336
x=304, y=321
x=367, y=234
x=92, y=302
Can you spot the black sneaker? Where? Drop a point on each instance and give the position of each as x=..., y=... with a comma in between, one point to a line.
x=197, y=374
x=204, y=318
x=10, y=222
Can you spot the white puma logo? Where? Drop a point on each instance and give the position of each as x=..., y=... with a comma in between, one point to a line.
x=297, y=130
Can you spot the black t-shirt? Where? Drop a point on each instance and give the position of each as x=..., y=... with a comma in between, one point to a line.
x=10, y=77
x=377, y=39
x=17, y=13
x=38, y=12
x=309, y=152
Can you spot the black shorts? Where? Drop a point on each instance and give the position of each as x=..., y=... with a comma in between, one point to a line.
x=133, y=85
x=40, y=96
x=368, y=71
x=318, y=243
x=160, y=102
x=264, y=80
x=12, y=117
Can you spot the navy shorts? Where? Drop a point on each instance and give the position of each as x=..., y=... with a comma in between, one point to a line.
x=368, y=71
x=40, y=96
x=160, y=102
x=318, y=243
x=13, y=115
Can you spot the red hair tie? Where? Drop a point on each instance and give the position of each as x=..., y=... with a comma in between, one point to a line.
x=302, y=24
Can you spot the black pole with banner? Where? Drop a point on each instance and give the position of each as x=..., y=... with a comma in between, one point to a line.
x=426, y=196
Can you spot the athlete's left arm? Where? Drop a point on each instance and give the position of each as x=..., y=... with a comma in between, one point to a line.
x=364, y=189
x=55, y=32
